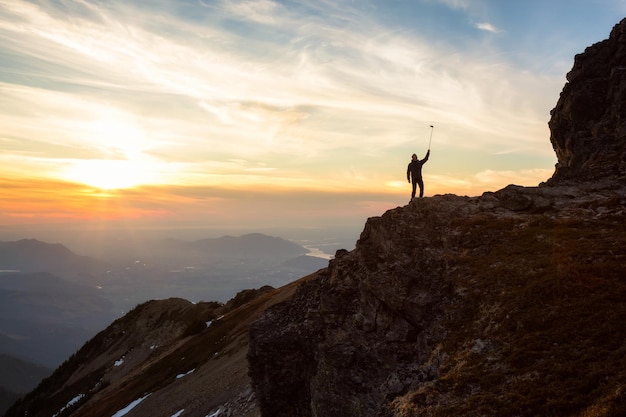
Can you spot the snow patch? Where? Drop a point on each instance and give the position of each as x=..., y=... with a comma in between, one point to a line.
x=216, y=413
x=119, y=362
x=70, y=403
x=184, y=375
x=129, y=407
x=178, y=413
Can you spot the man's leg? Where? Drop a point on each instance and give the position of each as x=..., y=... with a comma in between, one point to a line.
x=414, y=185
x=421, y=184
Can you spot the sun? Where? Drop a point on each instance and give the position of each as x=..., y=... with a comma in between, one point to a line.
x=112, y=174
x=119, y=143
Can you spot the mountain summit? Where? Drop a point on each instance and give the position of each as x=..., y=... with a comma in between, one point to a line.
x=588, y=124
x=507, y=304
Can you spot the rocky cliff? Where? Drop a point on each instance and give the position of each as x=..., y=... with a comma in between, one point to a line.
x=162, y=358
x=507, y=304
x=588, y=124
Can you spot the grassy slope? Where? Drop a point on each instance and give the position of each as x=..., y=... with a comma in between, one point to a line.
x=545, y=328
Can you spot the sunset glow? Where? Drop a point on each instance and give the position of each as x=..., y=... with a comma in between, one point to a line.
x=263, y=112
x=111, y=174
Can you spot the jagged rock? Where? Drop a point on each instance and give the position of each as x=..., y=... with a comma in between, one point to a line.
x=453, y=304
x=588, y=124
x=506, y=304
x=172, y=354
x=510, y=303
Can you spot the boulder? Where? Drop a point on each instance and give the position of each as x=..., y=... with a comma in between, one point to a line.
x=588, y=124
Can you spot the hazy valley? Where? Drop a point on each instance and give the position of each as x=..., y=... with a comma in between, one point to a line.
x=54, y=299
x=511, y=303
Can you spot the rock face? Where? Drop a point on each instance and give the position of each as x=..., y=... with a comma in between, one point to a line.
x=164, y=357
x=588, y=124
x=507, y=304
x=511, y=303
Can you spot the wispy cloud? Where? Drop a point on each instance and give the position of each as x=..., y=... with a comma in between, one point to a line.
x=260, y=11
x=487, y=27
x=325, y=79
x=291, y=96
x=456, y=4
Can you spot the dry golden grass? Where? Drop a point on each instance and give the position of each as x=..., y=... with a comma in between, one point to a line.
x=549, y=307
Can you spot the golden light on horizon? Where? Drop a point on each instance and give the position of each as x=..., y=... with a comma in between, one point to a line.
x=121, y=142
x=112, y=174
x=109, y=113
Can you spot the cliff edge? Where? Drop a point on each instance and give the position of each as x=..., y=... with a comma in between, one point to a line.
x=510, y=303
x=588, y=124
x=507, y=304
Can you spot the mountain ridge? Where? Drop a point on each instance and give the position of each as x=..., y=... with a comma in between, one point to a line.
x=509, y=303
x=435, y=312
x=172, y=353
x=33, y=255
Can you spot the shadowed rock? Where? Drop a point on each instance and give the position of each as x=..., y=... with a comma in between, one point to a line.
x=588, y=124
x=510, y=303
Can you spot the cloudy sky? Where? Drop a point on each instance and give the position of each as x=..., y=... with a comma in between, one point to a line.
x=262, y=112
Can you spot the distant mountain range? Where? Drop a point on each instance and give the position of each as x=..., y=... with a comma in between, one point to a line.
x=52, y=300
x=32, y=255
x=251, y=246
x=506, y=304
x=129, y=273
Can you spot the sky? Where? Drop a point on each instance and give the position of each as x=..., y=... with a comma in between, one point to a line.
x=262, y=113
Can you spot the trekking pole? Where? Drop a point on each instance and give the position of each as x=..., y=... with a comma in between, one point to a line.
x=431, y=136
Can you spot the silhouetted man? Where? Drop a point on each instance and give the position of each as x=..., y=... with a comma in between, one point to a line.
x=414, y=173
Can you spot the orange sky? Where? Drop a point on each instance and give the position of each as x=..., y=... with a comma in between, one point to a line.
x=268, y=113
x=46, y=202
